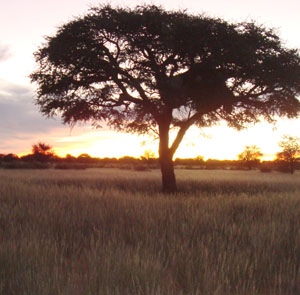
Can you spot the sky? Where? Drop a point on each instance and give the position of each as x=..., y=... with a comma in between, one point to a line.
x=25, y=23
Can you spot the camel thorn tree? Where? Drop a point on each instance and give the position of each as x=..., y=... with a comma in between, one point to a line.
x=250, y=156
x=290, y=151
x=146, y=69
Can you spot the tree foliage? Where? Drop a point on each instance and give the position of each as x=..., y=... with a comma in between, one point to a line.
x=250, y=156
x=149, y=70
x=42, y=152
x=148, y=155
x=290, y=152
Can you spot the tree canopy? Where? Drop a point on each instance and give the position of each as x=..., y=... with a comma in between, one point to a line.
x=290, y=151
x=42, y=152
x=149, y=70
x=250, y=156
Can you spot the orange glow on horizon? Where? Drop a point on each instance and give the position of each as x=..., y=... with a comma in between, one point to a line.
x=219, y=142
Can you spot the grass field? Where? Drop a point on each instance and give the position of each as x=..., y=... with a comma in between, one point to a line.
x=110, y=231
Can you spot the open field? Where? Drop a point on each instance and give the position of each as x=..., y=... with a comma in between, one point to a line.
x=109, y=231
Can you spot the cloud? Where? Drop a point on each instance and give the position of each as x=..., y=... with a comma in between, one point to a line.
x=13, y=92
x=20, y=120
x=21, y=123
x=18, y=112
x=4, y=52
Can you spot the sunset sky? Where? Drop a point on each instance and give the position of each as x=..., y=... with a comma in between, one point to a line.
x=23, y=25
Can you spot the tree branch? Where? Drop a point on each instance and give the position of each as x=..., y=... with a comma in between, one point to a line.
x=183, y=129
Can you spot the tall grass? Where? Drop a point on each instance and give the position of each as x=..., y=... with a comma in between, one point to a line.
x=105, y=231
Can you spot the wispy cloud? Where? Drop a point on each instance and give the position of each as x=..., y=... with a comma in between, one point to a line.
x=18, y=112
x=21, y=123
x=20, y=120
x=4, y=52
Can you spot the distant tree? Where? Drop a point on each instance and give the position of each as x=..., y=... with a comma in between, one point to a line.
x=199, y=160
x=149, y=157
x=128, y=160
x=42, y=152
x=290, y=153
x=149, y=154
x=214, y=164
x=250, y=157
x=85, y=158
x=70, y=158
x=10, y=158
x=149, y=70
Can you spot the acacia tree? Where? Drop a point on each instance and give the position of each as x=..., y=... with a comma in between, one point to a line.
x=149, y=70
x=42, y=152
x=250, y=156
x=290, y=153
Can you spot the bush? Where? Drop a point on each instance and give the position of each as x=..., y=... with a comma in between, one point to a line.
x=124, y=167
x=141, y=168
x=65, y=166
x=26, y=165
x=265, y=169
x=284, y=169
x=193, y=167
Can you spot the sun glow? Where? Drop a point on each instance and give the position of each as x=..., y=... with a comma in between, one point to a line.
x=103, y=144
x=219, y=142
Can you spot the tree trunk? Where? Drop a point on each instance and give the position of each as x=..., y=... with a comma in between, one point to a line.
x=166, y=153
x=166, y=161
x=168, y=174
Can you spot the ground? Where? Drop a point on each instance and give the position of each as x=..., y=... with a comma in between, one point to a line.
x=110, y=231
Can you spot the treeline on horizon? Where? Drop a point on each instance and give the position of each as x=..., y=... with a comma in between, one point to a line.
x=47, y=159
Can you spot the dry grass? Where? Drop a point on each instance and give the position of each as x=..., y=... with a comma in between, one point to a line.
x=107, y=231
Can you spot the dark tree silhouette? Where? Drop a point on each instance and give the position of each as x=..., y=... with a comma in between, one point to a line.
x=150, y=70
x=42, y=152
x=290, y=153
x=85, y=158
x=250, y=157
x=10, y=158
x=70, y=158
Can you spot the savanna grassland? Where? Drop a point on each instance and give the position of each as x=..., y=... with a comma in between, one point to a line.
x=110, y=231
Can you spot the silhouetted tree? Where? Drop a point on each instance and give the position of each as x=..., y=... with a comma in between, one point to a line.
x=42, y=152
x=85, y=158
x=149, y=158
x=148, y=155
x=128, y=160
x=290, y=146
x=250, y=157
x=199, y=160
x=69, y=158
x=147, y=69
x=214, y=164
x=10, y=158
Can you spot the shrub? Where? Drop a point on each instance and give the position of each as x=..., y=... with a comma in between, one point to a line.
x=26, y=165
x=284, y=169
x=265, y=169
x=124, y=167
x=77, y=166
x=141, y=168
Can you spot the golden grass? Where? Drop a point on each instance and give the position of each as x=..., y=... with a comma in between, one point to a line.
x=109, y=231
